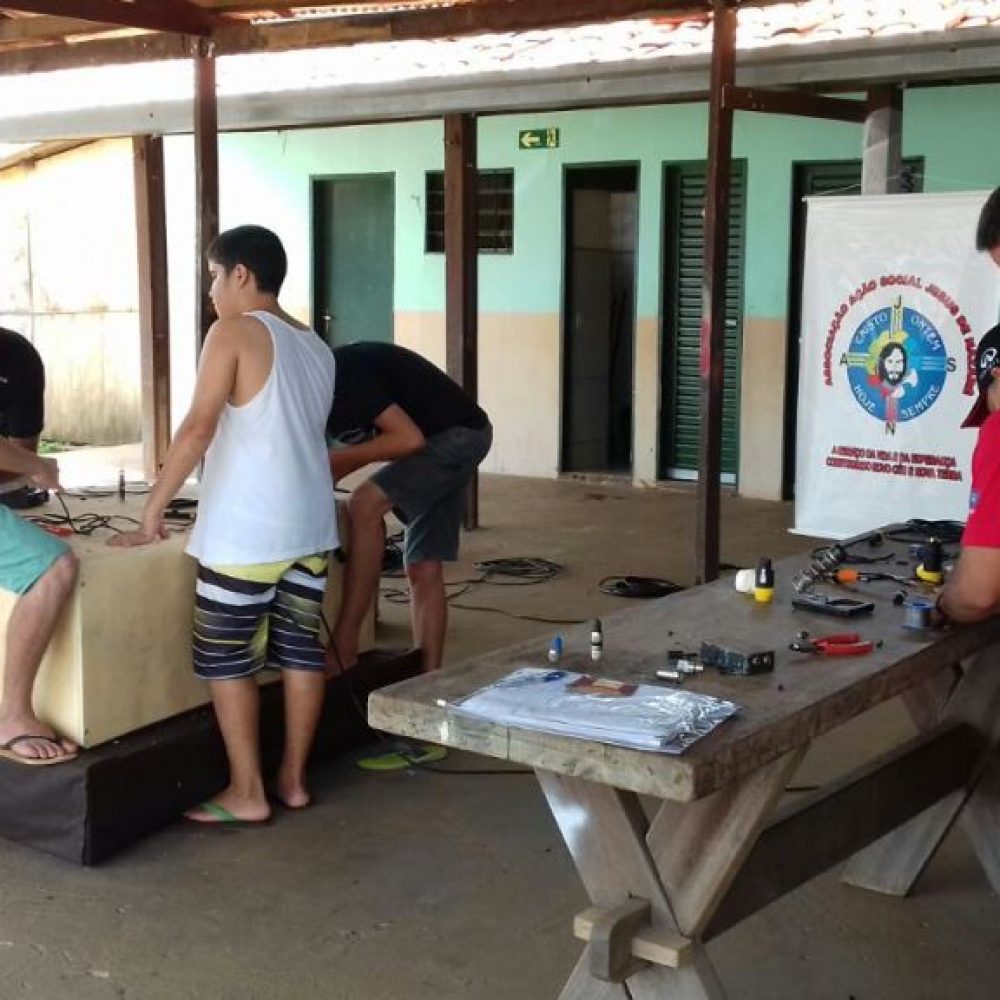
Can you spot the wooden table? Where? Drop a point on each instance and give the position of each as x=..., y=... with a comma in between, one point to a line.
x=720, y=844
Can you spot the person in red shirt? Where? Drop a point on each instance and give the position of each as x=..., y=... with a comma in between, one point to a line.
x=972, y=592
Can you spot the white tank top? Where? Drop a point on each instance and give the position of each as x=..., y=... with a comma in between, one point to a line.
x=266, y=491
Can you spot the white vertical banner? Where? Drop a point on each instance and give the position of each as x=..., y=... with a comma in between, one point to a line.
x=894, y=299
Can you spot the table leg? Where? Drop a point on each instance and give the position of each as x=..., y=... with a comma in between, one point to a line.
x=681, y=865
x=605, y=831
x=699, y=846
x=894, y=862
x=583, y=986
x=981, y=821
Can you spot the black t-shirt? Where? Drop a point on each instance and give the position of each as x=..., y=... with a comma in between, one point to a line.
x=373, y=376
x=22, y=387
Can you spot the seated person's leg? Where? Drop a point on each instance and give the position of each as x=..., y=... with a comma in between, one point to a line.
x=42, y=570
x=294, y=645
x=232, y=605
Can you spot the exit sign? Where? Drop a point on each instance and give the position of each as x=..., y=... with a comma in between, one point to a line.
x=538, y=138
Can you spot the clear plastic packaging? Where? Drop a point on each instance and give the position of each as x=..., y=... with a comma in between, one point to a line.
x=638, y=716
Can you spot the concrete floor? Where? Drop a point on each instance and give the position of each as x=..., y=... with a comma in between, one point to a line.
x=425, y=886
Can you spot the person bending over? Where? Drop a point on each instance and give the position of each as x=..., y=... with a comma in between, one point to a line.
x=433, y=437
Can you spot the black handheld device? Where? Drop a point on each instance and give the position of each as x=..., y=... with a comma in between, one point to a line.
x=839, y=607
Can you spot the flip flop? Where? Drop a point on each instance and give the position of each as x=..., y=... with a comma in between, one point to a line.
x=223, y=817
x=405, y=755
x=8, y=752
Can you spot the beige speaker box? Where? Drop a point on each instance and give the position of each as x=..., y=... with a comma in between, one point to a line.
x=120, y=658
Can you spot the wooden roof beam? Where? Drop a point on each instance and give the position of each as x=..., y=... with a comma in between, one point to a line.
x=471, y=18
x=180, y=16
x=264, y=6
x=44, y=29
x=793, y=102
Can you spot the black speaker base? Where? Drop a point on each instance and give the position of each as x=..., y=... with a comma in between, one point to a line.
x=87, y=809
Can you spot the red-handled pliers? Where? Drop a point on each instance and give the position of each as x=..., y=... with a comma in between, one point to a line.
x=841, y=644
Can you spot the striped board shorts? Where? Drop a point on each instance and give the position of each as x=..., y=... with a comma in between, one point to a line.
x=249, y=617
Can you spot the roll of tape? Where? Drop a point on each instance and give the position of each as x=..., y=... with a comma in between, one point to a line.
x=917, y=613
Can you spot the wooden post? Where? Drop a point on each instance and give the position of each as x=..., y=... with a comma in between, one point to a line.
x=461, y=250
x=882, y=160
x=154, y=310
x=206, y=152
x=713, y=316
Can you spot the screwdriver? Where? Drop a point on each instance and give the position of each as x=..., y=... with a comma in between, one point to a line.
x=849, y=576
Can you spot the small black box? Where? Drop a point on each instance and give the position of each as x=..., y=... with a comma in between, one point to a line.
x=736, y=661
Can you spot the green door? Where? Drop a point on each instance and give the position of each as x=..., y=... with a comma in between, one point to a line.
x=353, y=270
x=680, y=378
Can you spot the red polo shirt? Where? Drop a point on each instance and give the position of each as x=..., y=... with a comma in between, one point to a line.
x=983, y=526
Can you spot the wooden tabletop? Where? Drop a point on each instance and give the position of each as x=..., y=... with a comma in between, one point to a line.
x=805, y=696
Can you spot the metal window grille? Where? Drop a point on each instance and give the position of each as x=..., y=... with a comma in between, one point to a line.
x=495, y=211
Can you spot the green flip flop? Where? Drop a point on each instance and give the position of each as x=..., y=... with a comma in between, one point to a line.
x=403, y=756
x=223, y=817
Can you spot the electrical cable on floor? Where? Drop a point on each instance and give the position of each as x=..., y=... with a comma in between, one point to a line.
x=523, y=571
x=638, y=587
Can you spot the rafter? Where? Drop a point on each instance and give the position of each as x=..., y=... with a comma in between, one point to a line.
x=471, y=18
x=264, y=6
x=447, y=19
x=166, y=15
x=41, y=29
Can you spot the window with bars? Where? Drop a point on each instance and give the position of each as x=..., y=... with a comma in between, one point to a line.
x=496, y=211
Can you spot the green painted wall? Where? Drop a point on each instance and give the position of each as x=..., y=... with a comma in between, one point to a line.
x=267, y=180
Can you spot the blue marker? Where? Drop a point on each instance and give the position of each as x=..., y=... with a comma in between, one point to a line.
x=555, y=650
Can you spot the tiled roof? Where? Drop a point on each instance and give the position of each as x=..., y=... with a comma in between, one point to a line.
x=803, y=23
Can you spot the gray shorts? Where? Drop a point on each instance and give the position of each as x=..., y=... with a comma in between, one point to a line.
x=427, y=491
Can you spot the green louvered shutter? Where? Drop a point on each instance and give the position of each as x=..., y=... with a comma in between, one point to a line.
x=680, y=412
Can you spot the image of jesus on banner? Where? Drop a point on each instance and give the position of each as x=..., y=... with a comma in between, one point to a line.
x=896, y=365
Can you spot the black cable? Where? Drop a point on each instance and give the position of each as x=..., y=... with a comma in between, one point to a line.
x=84, y=524
x=638, y=587
x=918, y=529
x=527, y=570
x=526, y=618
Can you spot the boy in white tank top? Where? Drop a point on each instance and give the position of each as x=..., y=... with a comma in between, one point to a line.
x=266, y=519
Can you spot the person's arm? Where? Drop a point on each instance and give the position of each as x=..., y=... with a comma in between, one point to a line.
x=44, y=472
x=397, y=436
x=213, y=387
x=972, y=592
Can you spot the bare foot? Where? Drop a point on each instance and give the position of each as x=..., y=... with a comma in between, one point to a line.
x=291, y=792
x=50, y=745
x=248, y=809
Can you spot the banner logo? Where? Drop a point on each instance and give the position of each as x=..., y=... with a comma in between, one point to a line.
x=896, y=365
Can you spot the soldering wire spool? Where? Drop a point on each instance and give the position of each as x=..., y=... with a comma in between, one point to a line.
x=917, y=614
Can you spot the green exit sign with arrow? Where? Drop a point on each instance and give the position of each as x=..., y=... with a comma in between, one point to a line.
x=538, y=138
